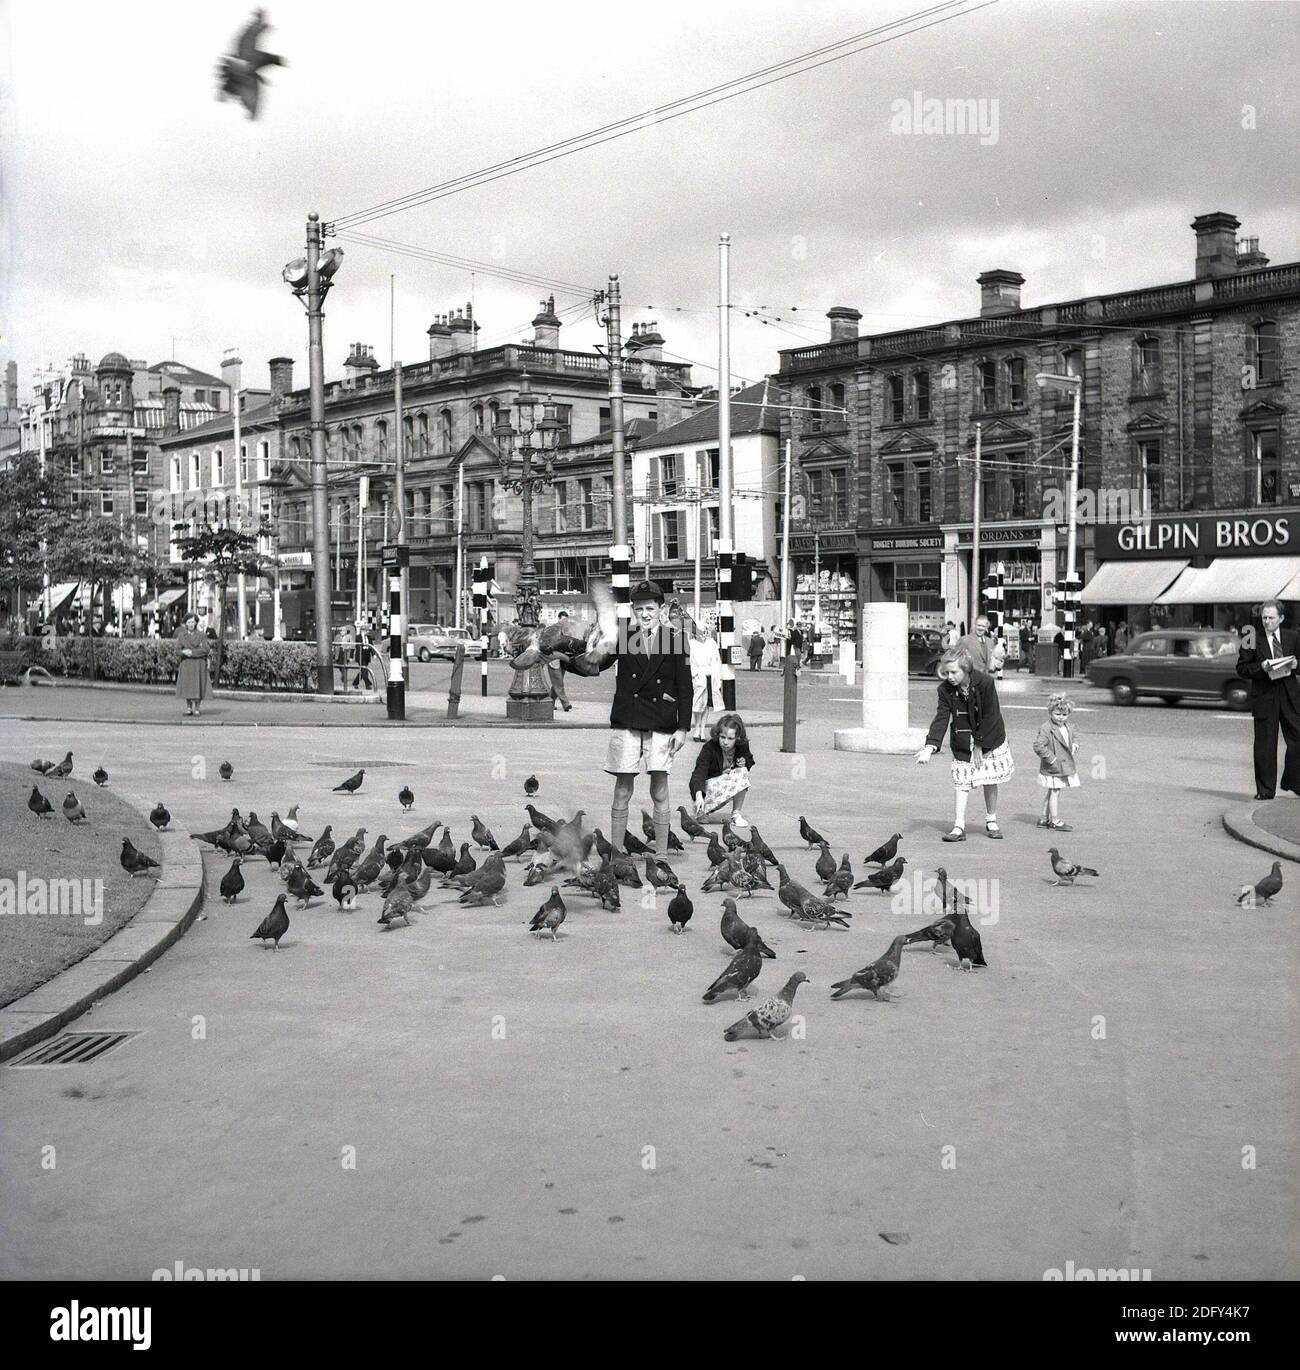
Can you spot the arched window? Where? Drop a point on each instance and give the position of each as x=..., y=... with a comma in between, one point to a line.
x=1146, y=366
x=381, y=440
x=423, y=435
x=358, y=441
x=445, y=430
x=1013, y=369
x=494, y=413
x=986, y=384
x=1266, y=352
x=478, y=418
x=1070, y=361
x=895, y=399
x=408, y=434
x=838, y=416
x=921, y=396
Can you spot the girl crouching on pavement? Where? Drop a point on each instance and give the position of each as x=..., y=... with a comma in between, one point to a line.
x=968, y=703
x=726, y=751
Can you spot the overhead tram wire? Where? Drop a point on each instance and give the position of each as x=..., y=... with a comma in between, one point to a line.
x=904, y=26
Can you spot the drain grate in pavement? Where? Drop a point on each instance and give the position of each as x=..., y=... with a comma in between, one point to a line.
x=73, y=1049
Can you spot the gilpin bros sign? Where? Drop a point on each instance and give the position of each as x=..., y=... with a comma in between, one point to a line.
x=1200, y=535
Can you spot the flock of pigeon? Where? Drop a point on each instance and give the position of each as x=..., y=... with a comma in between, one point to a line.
x=564, y=854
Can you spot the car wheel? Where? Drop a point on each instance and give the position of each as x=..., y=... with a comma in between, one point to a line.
x=1173, y=699
x=1122, y=691
x=1237, y=696
x=424, y=654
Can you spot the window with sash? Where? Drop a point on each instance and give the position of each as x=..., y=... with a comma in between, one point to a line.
x=986, y=384
x=921, y=394
x=1266, y=352
x=1014, y=370
x=897, y=399
x=1147, y=470
x=922, y=481
x=1265, y=458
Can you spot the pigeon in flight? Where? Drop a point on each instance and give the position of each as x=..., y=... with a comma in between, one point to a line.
x=239, y=73
x=274, y=925
x=1265, y=890
x=771, y=1014
x=876, y=976
x=1067, y=871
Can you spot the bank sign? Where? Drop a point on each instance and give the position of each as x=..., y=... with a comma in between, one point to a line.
x=1232, y=535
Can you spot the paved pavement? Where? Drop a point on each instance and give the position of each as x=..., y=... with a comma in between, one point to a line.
x=459, y=1099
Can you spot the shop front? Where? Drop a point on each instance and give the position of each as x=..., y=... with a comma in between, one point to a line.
x=907, y=568
x=1022, y=557
x=1200, y=570
x=825, y=571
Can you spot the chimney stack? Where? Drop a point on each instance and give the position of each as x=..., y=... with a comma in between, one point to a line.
x=11, y=385
x=1249, y=257
x=650, y=343
x=463, y=331
x=999, y=292
x=171, y=407
x=360, y=362
x=281, y=381
x=844, y=323
x=1216, y=244
x=439, y=339
x=546, y=326
x=232, y=368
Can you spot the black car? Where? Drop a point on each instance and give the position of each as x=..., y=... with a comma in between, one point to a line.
x=1174, y=664
x=924, y=648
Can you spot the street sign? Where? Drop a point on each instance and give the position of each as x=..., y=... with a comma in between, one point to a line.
x=395, y=556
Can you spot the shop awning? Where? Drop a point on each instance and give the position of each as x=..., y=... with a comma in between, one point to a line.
x=1131, y=582
x=60, y=594
x=1291, y=590
x=1233, y=580
x=164, y=600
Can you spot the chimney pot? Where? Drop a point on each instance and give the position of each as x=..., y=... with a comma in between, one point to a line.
x=1216, y=244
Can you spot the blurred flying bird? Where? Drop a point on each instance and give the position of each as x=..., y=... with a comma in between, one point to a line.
x=239, y=74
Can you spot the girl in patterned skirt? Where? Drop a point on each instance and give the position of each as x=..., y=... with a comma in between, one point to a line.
x=968, y=705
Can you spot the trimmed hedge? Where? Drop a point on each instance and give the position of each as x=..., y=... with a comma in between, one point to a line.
x=251, y=665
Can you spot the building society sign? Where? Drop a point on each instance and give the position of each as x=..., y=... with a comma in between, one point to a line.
x=1198, y=536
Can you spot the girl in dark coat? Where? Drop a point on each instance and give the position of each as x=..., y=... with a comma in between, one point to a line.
x=726, y=750
x=968, y=707
x=192, y=677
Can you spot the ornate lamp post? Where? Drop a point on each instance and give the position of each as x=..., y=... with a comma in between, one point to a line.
x=534, y=437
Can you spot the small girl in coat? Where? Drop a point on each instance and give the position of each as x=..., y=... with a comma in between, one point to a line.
x=1056, y=747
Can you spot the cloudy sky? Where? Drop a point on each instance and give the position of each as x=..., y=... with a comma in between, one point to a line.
x=142, y=215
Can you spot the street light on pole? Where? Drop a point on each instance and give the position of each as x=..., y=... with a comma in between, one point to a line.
x=1047, y=380
x=530, y=693
x=310, y=278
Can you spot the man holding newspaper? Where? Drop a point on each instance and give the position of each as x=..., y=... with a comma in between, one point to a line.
x=1268, y=660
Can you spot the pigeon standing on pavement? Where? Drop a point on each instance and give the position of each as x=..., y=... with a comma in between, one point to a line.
x=660, y=874
x=550, y=915
x=690, y=826
x=1265, y=890
x=839, y=883
x=72, y=809
x=885, y=878
x=716, y=852
x=742, y=970
x=809, y=834
x=938, y=933
x=275, y=853
x=232, y=883
x=63, y=769
x=876, y=976
x=736, y=932
x=885, y=852
x=966, y=941
x=680, y=910
x=405, y=798
x=352, y=784
x=274, y=925
x=531, y=786
x=303, y=887
x=323, y=849
x=825, y=865
x=1067, y=871
x=160, y=817
x=344, y=890
x=517, y=846
x=100, y=776
x=226, y=771
x=771, y=1014
x=135, y=861
x=481, y=834
x=539, y=820
x=758, y=844
x=38, y=803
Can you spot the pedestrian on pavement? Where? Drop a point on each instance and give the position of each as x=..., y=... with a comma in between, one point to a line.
x=981, y=755
x=706, y=678
x=986, y=651
x=757, y=642
x=650, y=719
x=1274, y=698
x=793, y=641
x=555, y=669
x=950, y=635
x=720, y=779
x=1056, y=747
x=1027, y=645
x=1121, y=637
x=192, y=676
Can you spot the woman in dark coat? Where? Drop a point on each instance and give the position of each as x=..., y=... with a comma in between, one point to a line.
x=192, y=678
x=968, y=707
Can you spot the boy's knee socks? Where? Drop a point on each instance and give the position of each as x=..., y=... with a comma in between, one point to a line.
x=663, y=825
x=617, y=825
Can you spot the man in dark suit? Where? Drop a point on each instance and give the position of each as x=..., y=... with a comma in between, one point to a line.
x=650, y=720
x=1274, y=702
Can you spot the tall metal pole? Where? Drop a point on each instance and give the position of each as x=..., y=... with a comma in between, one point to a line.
x=1072, y=542
x=726, y=524
x=975, y=540
x=402, y=531
x=700, y=522
x=620, y=554
x=320, y=534
x=460, y=545
x=137, y=598
x=786, y=605
x=241, y=584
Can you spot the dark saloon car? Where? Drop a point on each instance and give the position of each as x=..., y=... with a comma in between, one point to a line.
x=924, y=648
x=1174, y=664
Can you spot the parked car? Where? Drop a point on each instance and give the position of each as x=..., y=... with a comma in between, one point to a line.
x=425, y=641
x=924, y=648
x=1174, y=664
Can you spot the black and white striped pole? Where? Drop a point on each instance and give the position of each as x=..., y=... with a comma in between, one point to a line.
x=482, y=583
x=726, y=624
x=396, y=559
x=1068, y=601
x=620, y=577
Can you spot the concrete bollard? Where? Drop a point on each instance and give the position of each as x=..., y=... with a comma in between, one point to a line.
x=884, y=686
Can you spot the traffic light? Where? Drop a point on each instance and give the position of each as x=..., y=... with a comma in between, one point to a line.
x=742, y=579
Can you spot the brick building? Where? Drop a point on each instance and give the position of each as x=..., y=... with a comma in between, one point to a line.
x=1189, y=399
